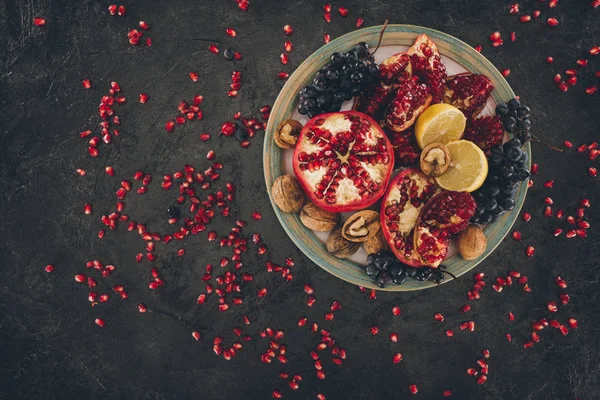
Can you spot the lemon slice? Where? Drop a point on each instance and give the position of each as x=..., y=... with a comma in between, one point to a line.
x=468, y=168
x=440, y=123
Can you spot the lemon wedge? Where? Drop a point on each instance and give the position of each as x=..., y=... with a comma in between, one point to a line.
x=468, y=168
x=440, y=123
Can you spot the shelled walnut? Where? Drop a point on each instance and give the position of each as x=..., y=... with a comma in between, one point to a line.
x=287, y=133
x=435, y=159
x=361, y=226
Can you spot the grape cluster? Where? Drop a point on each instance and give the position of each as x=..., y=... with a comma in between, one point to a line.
x=515, y=118
x=385, y=268
x=343, y=77
x=507, y=167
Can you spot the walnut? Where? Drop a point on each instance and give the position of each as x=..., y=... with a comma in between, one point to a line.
x=287, y=194
x=361, y=226
x=376, y=243
x=287, y=133
x=317, y=219
x=435, y=159
x=339, y=246
x=471, y=242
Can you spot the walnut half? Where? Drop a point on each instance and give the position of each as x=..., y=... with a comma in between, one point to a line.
x=435, y=159
x=361, y=226
x=287, y=133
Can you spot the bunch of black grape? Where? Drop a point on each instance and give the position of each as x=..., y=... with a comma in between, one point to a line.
x=515, y=118
x=507, y=167
x=385, y=269
x=344, y=76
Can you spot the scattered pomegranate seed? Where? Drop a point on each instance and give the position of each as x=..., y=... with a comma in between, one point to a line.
x=374, y=330
x=530, y=251
x=284, y=58
x=526, y=217
x=359, y=22
x=478, y=48
x=194, y=76
x=213, y=49
x=396, y=310
x=505, y=72
x=560, y=282
x=283, y=75
x=287, y=29
x=564, y=298
x=509, y=337
x=326, y=38
x=525, y=18
x=513, y=36
x=449, y=333
x=495, y=36
x=573, y=324
x=99, y=322
x=447, y=393
x=471, y=371
x=564, y=330
x=49, y=268
x=552, y=306
x=413, y=388
x=552, y=22
x=591, y=89
x=536, y=13
x=549, y=184
x=196, y=335
x=514, y=9
x=39, y=21
x=498, y=43
x=438, y=317
x=396, y=358
x=592, y=172
x=262, y=292
x=465, y=308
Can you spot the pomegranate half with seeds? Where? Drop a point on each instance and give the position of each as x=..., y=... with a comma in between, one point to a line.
x=427, y=64
x=407, y=193
x=343, y=161
x=409, y=102
x=468, y=92
x=446, y=214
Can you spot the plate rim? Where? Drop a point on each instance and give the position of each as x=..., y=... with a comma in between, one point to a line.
x=354, y=37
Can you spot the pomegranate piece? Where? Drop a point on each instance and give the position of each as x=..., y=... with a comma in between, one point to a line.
x=485, y=132
x=409, y=102
x=406, y=195
x=468, y=92
x=396, y=68
x=343, y=161
x=428, y=66
x=406, y=150
x=445, y=214
x=373, y=102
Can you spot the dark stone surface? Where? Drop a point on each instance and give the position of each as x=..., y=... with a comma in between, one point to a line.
x=49, y=344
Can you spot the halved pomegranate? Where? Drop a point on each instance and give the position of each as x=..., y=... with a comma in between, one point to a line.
x=406, y=195
x=343, y=161
x=469, y=92
x=428, y=66
x=373, y=102
x=485, y=132
x=410, y=102
x=447, y=213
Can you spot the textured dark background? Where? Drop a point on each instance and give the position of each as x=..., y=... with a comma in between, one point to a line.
x=49, y=344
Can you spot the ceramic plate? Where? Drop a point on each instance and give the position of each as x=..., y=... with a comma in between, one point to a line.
x=458, y=57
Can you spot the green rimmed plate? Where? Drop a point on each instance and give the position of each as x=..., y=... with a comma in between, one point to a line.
x=458, y=57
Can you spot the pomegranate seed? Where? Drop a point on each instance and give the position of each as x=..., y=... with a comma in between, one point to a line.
x=256, y=215
x=514, y=9
x=564, y=298
x=359, y=22
x=329, y=316
x=121, y=11
x=509, y=337
x=516, y=235
x=143, y=98
x=326, y=38
x=525, y=18
x=169, y=126
x=413, y=388
x=549, y=59
x=552, y=306
x=536, y=13
x=438, y=317
x=231, y=32
x=449, y=333
x=592, y=172
x=276, y=394
x=549, y=184
x=49, y=268
x=343, y=12
x=560, y=282
x=513, y=36
x=213, y=49
x=582, y=62
x=79, y=278
x=283, y=75
x=478, y=48
x=552, y=3
x=526, y=217
x=591, y=89
x=573, y=324
x=447, y=393
x=498, y=43
x=557, y=232
x=571, y=234
x=548, y=211
x=564, y=330
x=284, y=58
x=374, y=330
x=262, y=292
x=396, y=358
x=39, y=21
x=583, y=224
x=559, y=214
x=465, y=308
x=572, y=81
x=327, y=17
x=471, y=371
x=86, y=84
x=393, y=337
x=396, y=310
x=529, y=251
x=196, y=335
x=562, y=86
x=194, y=76
x=99, y=322
x=287, y=29
x=511, y=316
x=495, y=36
x=552, y=22
x=505, y=72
